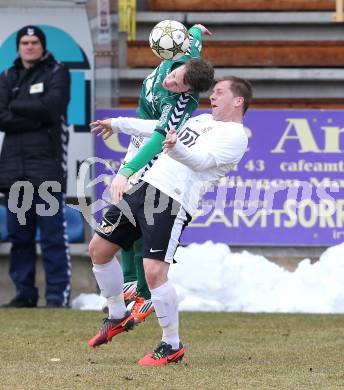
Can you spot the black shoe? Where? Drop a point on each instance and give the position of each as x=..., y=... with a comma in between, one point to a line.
x=20, y=302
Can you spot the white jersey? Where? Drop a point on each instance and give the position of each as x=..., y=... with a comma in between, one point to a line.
x=205, y=151
x=136, y=141
x=138, y=138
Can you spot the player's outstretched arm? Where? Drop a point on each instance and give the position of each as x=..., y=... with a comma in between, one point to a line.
x=126, y=125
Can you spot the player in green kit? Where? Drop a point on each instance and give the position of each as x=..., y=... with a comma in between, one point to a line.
x=169, y=94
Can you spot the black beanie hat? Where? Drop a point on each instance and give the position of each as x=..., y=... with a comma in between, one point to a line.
x=31, y=30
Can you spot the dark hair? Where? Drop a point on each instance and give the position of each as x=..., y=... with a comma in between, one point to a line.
x=199, y=75
x=240, y=87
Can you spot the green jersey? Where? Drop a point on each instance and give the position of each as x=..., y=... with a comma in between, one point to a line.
x=154, y=97
x=171, y=109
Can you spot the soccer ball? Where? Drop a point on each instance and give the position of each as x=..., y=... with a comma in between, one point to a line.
x=169, y=40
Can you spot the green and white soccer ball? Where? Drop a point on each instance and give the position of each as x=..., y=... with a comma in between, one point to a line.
x=169, y=40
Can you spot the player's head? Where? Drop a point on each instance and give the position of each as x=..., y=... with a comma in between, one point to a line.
x=231, y=98
x=196, y=75
x=199, y=74
x=31, y=44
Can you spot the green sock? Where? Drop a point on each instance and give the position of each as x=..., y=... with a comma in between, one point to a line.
x=142, y=286
x=128, y=265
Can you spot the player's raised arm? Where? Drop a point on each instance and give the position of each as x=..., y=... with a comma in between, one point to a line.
x=126, y=125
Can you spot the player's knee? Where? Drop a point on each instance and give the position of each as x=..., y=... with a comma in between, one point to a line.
x=151, y=275
x=92, y=249
x=101, y=250
x=154, y=274
x=95, y=251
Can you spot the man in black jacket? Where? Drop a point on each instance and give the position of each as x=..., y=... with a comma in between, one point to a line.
x=34, y=95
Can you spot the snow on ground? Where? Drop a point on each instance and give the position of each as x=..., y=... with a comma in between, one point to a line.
x=209, y=277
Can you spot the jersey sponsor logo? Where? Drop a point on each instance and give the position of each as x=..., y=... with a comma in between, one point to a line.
x=152, y=96
x=149, y=86
x=188, y=137
x=164, y=114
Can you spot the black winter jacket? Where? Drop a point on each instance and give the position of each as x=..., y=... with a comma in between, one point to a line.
x=33, y=111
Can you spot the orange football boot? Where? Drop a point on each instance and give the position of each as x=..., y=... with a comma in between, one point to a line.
x=162, y=355
x=111, y=327
x=142, y=309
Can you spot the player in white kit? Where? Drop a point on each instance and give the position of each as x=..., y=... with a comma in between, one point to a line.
x=161, y=206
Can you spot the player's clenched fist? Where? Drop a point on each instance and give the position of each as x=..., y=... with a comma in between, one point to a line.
x=170, y=140
x=118, y=186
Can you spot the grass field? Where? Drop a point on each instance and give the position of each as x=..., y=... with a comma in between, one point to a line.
x=47, y=349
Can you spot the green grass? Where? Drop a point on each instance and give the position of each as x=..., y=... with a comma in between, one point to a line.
x=223, y=351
